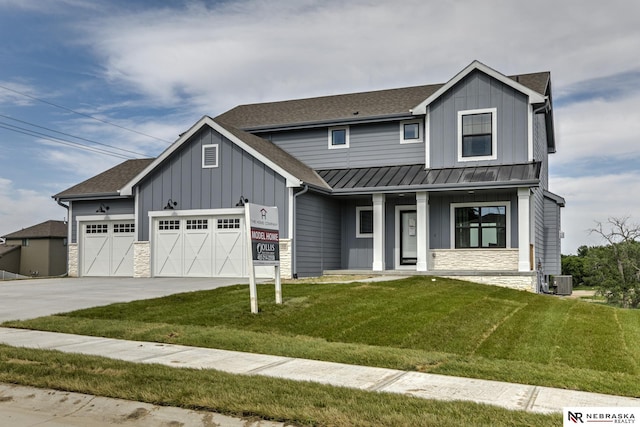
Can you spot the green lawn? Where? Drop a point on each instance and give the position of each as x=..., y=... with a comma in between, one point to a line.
x=444, y=326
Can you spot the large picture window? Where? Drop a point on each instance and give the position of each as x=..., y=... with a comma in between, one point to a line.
x=481, y=226
x=477, y=139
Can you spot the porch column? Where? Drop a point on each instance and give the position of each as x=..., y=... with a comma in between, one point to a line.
x=524, y=229
x=378, y=231
x=422, y=230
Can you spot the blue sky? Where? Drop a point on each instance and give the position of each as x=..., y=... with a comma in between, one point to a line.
x=127, y=77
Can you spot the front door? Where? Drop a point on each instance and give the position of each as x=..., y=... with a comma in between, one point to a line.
x=408, y=238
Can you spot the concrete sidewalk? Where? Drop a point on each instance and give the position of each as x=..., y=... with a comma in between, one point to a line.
x=428, y=386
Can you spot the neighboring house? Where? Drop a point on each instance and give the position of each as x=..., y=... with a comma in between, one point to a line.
x=40, y=250
x=447, y=179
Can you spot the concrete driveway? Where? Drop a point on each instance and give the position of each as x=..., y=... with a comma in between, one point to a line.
x=26, y=299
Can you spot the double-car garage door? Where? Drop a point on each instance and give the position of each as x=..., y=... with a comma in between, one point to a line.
x=205, y=246
x=194, y=246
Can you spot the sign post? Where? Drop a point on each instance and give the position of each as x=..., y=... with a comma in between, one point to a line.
x=263, y=235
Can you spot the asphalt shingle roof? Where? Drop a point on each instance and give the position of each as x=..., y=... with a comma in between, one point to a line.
x=352, y=106
x=108, y=182
x=43, y=230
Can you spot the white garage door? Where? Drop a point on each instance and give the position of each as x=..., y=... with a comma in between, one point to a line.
x=107, y=248
x=199, y=247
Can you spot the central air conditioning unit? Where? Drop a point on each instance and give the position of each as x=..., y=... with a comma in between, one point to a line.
x=563, y=285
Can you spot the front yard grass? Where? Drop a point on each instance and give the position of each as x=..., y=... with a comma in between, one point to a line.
x=444, y=326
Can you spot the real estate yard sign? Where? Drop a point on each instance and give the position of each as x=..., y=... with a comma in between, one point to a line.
x=263, y=234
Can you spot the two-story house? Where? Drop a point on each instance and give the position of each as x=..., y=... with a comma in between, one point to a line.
x=446, y=179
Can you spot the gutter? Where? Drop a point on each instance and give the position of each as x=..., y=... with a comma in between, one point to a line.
x=294, y=253
x=332, y=122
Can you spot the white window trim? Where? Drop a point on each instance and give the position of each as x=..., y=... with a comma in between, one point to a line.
x=452, y=222
x=346, y=137
x=358, y=210
x=204, y=148
x=494, y=134
x=421, y=130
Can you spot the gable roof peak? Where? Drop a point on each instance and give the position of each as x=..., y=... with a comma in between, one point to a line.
x=534, y=96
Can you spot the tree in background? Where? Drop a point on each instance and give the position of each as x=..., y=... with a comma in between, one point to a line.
x=615, y=267
x=574, y=265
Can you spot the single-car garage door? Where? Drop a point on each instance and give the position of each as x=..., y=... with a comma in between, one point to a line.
x=107, y=248
x=207, y=246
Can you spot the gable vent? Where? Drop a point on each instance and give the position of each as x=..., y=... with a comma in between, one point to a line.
x=210, y=156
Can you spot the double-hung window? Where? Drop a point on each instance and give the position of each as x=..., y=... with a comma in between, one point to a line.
x=477, y=139
x=481, y=225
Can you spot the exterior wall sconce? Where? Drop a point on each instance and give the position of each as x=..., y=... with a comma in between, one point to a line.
x=102, y=209
x=171, y=204
x=242, y=201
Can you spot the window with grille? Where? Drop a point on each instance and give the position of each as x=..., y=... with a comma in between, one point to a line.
x=477, y=139
x=96, y=228
x=169, y=224
x=228, y=223
x=197, y=224
x=124, y=228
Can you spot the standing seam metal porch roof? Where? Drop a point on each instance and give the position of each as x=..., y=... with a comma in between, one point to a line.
x=414, y=177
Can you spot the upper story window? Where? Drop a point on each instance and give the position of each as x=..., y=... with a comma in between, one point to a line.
x=411, y=131
x=481, y=225
x=477, y=136
x=339, y=137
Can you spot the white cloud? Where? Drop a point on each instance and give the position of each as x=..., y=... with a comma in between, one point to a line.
x=595, y=199
x=597, y=128
x=21, y=208
x=248, y=51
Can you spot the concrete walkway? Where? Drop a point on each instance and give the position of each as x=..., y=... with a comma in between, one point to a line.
x=428, y=386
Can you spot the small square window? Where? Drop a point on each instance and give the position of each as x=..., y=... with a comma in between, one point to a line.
x=364, y=221
x=339, y=137
x=411, y=131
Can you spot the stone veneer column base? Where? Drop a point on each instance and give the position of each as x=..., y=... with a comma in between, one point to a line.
x=285, y=259
x=72, y=260
x=141, y=259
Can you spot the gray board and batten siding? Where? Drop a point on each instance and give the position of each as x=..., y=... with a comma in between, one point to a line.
x=318, y=234
x=370, y=144
x=89, y=207
x=479, y=91
x=552, y=251
x=182, y=179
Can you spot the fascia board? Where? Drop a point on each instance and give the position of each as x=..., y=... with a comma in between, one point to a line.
x=534, y=97
x=292, y=181
x=437, y=188
x=127, y=190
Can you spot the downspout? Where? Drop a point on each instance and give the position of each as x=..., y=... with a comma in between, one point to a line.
x=68, y=235
x=294, y=252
